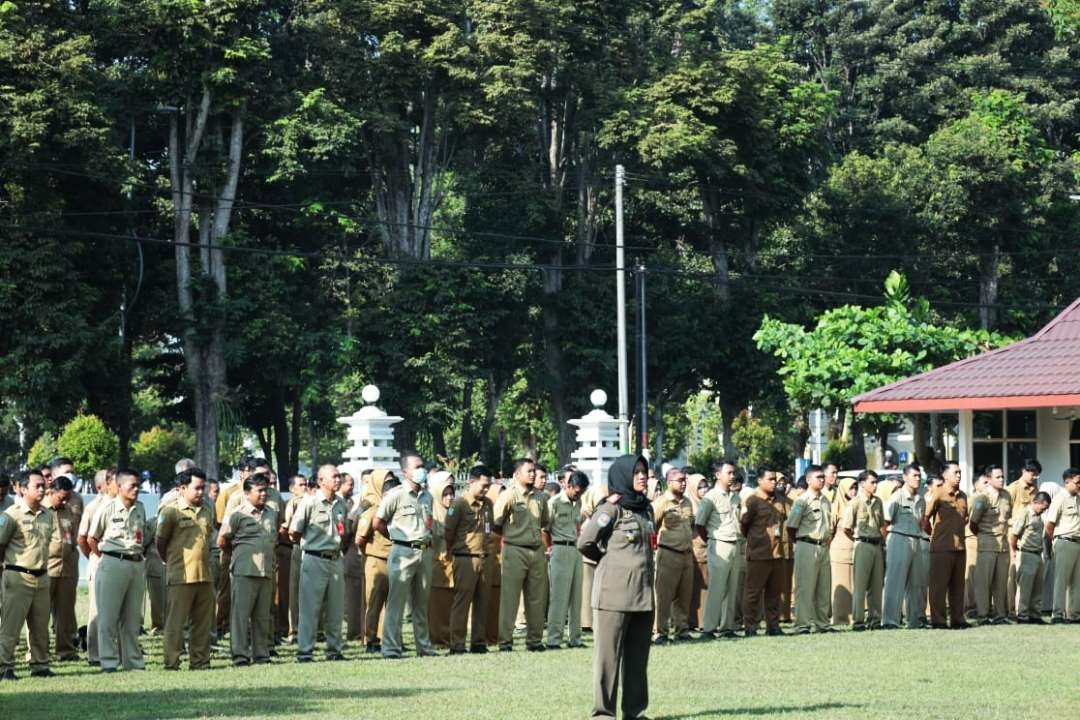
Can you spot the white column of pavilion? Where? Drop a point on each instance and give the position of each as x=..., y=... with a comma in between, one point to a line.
x=371, y=433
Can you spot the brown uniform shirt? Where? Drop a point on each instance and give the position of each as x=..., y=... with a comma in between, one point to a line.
x=1021, y=495
x=63, y=550
x=187, y=532
x=675, y=522
x=949, y=514
x=991, y=517
x=763, y=527
x=625, y=572
x=521, y=513
x=25, y=535
x=865, y=517
x=469, y=525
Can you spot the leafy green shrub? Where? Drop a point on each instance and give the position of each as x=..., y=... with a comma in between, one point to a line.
x=42, y=451
x=158, y=449
x=89, y=444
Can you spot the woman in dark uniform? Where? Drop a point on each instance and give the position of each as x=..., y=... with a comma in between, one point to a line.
x=620, y=537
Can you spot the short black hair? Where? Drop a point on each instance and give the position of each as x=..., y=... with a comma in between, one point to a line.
x=991, y=468
x=1041, y=496
x=255, y=481
x=523, y=461
x=60, y=460
x=718, y=465
x=1069, y=473
x=23, y=478
x=815, y=468
x=128, y=472
x=406, y=454
x=260, y=463
x=63, y=483
x=912, y=466
x=828, y=464
x=866, y=474
x=762, y=469
x=186, y=477
x=479, y=471
x=578, y=479
x=1032, y=465
x=542, y=468
x=298, y=478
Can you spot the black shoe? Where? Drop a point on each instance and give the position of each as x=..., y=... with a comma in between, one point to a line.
x=750, y=632
x=777, y=632
x=506, y=647
x=801, y=631
x=43, y=672
x=458, y=651
x=478, y=650
x=1058, y=621
x=728, y=635
x=535, y=648
x=1036, y=621
x=373, y=647
x=683, y=637
x=93, y=663
x=304, y=659
x=858, y=627
x=826, y=630
x=572, y=645
x=261, y=661
x=553, y=647
x=660, y=640
x=241, y=662
x=273, y=652
x=335, y=657
x=962, y=626
x=9, y=674
x=938, y=626
x=890, y=626
x=108, y=670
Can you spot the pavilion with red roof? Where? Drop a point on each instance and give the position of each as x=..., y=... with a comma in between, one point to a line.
x=1019, y=401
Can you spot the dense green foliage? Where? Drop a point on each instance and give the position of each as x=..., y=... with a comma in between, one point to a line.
x=230, y=215
x=88, y=444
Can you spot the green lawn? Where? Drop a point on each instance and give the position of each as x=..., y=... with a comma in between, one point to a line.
x=999, y=672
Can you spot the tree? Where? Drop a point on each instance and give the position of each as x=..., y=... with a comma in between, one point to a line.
x=89, y=444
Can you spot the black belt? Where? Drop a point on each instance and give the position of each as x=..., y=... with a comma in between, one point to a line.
x=894, y=532
x=1033, y=552
x=323, y=555
x=524, y=547
x=471, y=555
x=812, y=541
x=567, y=543
x=122, y=556
x=414, y=544
x=28, y=571
x=671, y=549
x=872, y=541
x=729, y=542
x=1068, y=538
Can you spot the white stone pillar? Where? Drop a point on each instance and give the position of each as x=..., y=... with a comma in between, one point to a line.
x=965, y=451
x=371, y=433
x=598, y=443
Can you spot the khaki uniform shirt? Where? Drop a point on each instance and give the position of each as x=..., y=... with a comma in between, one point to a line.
x=25, y=535
x=63, y=550
x=274, y=501
x=1021, y=495
x=89, y=512
x=408, y=515
x=763, y=526
x=469, y=525
x=903, y=512
x=76, y=505
x=949, y=514
x=865, y=517
x=1029, y=531
x=188, y=532
x=6, y=502
x=990, y=513
x=320, y=522
x=674, y=518
x=253, y=537
x=119, y=529
x=154, y=567
x=521, y=512
x=718, y=513
x=222, y=503
x=1064, y=512
x=811, y=517
x=564, y=518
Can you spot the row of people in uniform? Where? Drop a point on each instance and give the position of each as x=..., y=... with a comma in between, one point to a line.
x=726, y=555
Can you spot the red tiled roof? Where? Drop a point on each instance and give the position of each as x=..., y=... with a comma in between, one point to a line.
x=1040, y=371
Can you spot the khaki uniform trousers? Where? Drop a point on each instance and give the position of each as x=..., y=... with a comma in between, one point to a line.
x=223, y=592
x=1029, y=585
x=699, y=594
x=843, y=579
x=376, y=587
x=971, y=553
x=991, y=584
x=588, y=569
x=764, y=581
x=813, y=586
x=26, y=601
x=120, y=586
x=868, y=572
x=918, y=600
x=155, y=591
x=523, y=570
x=354, y=594
x=192, y=602
x=472, y=589
x=947, y=584
x=295, y=558
x=722, y=599
x=901, y=583
x=62, y=594
x=282, y=588
x=322, y=598
x=622, y=641
x=491, y=626
x=564, y=596
x=1066, y=579
x=787, y=587
x=740, y=582
x=92, y=564
x=249, y=627
x=674, y=581
x=1010, y=592
x=410, y=580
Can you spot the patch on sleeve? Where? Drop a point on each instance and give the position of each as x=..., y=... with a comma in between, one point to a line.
x=450, y=511
x=603, y=520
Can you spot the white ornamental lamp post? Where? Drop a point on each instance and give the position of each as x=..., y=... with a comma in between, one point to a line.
x=598, y=435
x=371, y=433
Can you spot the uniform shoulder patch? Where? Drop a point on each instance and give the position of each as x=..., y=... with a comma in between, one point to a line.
x=603, y=520
x=450, y=511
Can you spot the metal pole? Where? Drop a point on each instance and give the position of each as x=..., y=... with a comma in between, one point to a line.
x=643, y=400
x=620, y=302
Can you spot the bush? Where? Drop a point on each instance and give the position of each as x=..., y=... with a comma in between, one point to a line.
x=42, y=451
x=754, y=440
x=840, y=452
x=90, y=445
x=158, y=449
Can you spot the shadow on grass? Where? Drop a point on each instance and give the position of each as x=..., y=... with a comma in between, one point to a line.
x=764, y=710
x=205, y=702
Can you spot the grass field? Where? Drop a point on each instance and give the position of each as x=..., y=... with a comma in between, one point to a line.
x=1007, y=672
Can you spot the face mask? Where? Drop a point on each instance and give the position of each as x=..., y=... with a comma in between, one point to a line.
x=419, y=476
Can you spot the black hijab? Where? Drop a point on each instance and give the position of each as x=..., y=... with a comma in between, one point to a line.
x=621, y=482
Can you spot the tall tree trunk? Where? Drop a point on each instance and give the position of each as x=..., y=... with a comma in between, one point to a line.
x=467, y=445
x=294, y=443
x=280, y=426
x=858, y=443
x=718, y=250
x=989, y=274
x=728, y=412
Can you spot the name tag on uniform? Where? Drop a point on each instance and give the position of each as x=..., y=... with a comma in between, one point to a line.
x=776, y=532
x=487, y=527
